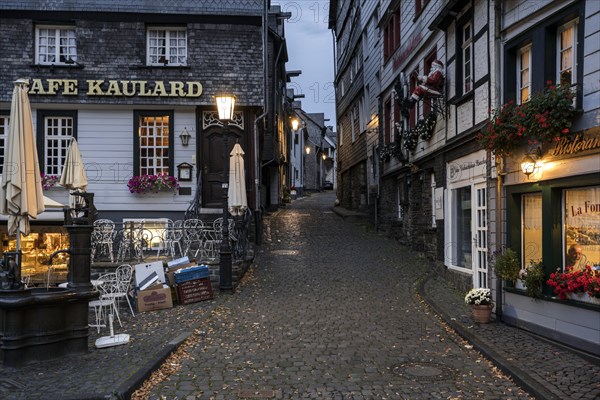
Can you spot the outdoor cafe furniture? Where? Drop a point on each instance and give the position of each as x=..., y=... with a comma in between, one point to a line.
x=131, y=241
x=105, y=303
x=103, y=237
x=172, y=238
x=120, y=286
x=193, y=235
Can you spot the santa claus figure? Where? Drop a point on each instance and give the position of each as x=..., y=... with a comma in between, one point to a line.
x=431, y=84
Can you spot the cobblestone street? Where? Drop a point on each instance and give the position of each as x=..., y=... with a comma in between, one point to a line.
x=330, y=311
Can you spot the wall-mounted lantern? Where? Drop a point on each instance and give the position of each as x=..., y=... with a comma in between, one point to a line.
x=185, y=137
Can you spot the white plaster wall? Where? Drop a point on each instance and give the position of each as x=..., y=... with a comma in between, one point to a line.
x=481, y=103
x=464, y=116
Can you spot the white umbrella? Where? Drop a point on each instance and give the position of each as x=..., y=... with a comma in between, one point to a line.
x=21, y=195
x=73, y=175
x=238, y=201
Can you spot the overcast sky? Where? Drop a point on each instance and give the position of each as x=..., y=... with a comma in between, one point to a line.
x=310, y=49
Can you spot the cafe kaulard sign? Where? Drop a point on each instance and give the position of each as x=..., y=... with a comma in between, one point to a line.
x=116, y=88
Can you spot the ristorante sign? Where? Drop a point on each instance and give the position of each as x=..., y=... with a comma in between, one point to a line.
x=585, y=142
x=115, y=88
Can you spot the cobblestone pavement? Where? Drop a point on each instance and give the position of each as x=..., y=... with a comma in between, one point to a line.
x=330, y=311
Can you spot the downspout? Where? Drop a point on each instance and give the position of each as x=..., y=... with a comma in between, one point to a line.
x=498, y=160
x=257, y=206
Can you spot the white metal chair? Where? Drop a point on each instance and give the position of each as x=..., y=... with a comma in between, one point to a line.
x=105, y=304
x=172, y=239
x=192, y=235
x=130, y=245
x=102, y=238
x=120, y=286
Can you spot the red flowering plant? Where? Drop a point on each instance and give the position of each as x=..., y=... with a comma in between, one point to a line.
x=575, y=281
x=546, y=117
x=152, y=183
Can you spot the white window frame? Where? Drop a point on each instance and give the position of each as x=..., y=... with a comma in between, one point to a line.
x=467, y=48
x=559, y=50
x=341, y=133
x=521, y=84
x=58, y=132
x=154, y=51
x=49, y=44
x=155, y=164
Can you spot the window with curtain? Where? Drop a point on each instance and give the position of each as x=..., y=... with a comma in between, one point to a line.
x=524, y=74
x=567, y=53
x=167, y=46
x=531, y=228
x=55, y=45
x=582, y=227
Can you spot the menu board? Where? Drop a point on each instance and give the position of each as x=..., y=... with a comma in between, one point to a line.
x=194, y=291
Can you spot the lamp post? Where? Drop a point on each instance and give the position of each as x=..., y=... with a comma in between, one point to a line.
x=225, y=106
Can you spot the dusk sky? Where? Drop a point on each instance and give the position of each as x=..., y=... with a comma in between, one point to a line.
x=310, y=49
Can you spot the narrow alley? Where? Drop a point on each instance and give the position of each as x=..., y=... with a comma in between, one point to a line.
x=330, y=311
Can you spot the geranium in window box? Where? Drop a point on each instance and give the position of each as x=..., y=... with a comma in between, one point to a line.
x=546, y=117
x=581, y=284
x=152, y=183
x=49, y=181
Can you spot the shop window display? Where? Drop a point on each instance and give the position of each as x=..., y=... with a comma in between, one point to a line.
x=582, y=228
x=36, y=249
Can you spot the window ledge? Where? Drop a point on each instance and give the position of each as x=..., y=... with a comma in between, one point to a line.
x=58, y=66
x=551, y=299
x=458, y=100
x=133, y=67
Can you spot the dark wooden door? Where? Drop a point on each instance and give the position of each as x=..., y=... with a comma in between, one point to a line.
x=213, y=164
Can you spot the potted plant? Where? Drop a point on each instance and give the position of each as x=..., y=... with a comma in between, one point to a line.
x=506, y=265
x=533, y=277
x=480, y=300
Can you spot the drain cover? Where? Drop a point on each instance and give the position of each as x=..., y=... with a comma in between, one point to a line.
x=424, y=371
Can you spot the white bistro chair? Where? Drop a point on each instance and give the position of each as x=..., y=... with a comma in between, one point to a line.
x=105, y=304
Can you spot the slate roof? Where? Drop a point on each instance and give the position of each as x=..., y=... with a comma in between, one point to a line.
x=195, y=7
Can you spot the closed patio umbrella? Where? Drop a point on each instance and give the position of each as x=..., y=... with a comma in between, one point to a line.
x=73, y=175
x=238, y=201
x=21, y=195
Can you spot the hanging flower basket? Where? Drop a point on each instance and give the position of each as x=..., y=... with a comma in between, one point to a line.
x=546, y=117
x=152, y=183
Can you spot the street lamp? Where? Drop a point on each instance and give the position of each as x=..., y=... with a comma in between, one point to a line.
x=225, y=106
x=295, y=124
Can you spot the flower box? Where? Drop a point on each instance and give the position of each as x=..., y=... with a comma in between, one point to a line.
x=584, y=298
x=152, y=183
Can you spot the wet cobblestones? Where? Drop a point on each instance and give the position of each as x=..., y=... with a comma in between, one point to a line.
x=330, y=310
